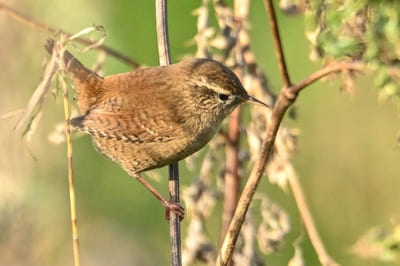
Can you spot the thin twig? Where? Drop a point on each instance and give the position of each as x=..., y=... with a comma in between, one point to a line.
x=307, y=218
x=278, y=43
x=45, y=28
x=71, y=186
x=302, y=205
x=164, y=56
x=37, y=100
x=326, y=70
x=11, y=114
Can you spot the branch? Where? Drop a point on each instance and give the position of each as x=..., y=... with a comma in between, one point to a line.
x=277, y=42
x=45, y=28
x=164, y=55
x=285, y=99
x=283, y=102
x=298, y=193
x=327, y=70
x=307, y=218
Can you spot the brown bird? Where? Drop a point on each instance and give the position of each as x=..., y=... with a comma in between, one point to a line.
x=154, y=116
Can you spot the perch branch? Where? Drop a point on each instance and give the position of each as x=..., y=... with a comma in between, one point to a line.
x=164, y=55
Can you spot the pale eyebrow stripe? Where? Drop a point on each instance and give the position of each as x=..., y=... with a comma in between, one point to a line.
x=204, y=83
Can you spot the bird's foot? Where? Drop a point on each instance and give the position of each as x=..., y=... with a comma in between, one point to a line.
x=174, y=207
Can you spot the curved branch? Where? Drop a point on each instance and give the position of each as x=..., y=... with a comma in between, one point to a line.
x=328, y=69
x=285, y=100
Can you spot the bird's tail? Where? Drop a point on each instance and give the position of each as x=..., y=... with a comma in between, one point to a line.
x=87, y=83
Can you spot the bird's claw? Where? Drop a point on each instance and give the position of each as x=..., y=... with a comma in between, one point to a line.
x=176, y=208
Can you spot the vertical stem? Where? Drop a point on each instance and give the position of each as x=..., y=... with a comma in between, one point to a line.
x=232, y=182
x=164, y=55
x=174, y=223
x=162, y=32
x=278, y=43
x=232, y=178
x=71, y=186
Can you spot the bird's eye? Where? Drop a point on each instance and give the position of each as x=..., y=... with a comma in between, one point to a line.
x=223, y=97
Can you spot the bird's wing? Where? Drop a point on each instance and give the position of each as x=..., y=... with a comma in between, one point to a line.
x=116, y=118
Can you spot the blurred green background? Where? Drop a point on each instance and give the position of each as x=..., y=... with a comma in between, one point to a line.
x=347, y=160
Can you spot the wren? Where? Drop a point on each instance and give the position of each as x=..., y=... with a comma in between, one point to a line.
x=151, y=117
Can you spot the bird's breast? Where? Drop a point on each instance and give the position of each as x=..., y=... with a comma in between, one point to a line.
x=201, y=130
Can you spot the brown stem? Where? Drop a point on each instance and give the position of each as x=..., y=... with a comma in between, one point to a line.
x=298, y=193
x=277, y=42
x=232, y=178
x=327, y=70
x=283, y=102
x=45, y=28
x=286, y=98
x=164, y=55
x=291, y=92
x=232, y=181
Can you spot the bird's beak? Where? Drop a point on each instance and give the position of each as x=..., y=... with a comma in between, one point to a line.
x=255, y=101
